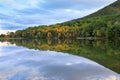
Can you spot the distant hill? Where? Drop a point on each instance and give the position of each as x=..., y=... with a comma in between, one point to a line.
x=6, y=31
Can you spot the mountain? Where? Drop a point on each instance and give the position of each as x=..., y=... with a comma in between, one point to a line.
x=111, y=9
x=104, y=23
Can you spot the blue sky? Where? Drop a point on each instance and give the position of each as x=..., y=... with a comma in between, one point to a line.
x=20, y=14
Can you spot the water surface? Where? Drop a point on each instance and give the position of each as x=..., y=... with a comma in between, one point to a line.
x=104, y=52
x=20, y=63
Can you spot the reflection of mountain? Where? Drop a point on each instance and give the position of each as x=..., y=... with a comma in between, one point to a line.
x=105, y=53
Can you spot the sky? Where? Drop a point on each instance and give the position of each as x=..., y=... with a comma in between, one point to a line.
x=20, y=14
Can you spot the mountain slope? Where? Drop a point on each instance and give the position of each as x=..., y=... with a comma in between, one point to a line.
x=111, y=9
x=105, y=23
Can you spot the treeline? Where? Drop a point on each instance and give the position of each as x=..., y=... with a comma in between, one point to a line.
x=53, y=31
x=102, y=27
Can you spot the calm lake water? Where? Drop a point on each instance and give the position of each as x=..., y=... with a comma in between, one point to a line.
x=59, y=60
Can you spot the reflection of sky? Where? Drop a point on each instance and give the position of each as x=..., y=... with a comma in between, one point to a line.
x=18, y=63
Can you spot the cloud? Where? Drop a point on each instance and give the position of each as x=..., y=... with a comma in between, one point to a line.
x=20, y=4
x=20, y=14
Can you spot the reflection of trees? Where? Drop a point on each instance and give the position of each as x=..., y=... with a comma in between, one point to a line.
x=104, y=52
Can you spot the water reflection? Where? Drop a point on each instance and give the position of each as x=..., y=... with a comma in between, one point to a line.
x=104, y=52
x=19, y=63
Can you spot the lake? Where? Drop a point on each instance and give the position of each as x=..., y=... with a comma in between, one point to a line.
x=59, y=60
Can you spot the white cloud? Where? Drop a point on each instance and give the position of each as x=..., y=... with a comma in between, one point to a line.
x=20, y=4
x=12, y=4
x=35, y=3
x=68, y=64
